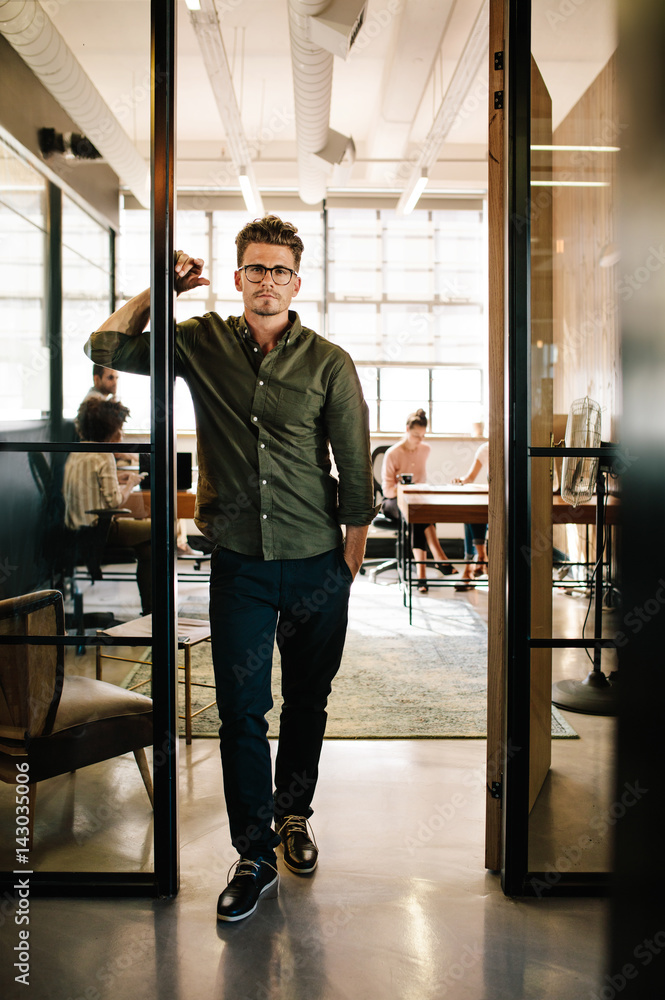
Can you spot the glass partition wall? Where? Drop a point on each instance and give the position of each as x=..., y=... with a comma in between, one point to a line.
x=76, y=796
x=564, y=358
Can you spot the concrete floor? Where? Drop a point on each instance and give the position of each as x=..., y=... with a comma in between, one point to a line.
x=400, y=906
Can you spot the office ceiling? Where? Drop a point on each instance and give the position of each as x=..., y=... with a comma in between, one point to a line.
x=385, y=95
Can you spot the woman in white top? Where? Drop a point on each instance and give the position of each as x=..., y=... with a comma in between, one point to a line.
x=409, y=456
x=475, y=534
x=91, y=482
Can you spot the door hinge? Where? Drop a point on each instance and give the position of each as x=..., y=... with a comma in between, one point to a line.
x=498, y=100
x=498, y=60
x=496, y=790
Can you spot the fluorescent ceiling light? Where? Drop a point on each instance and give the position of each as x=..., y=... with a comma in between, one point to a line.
x=193, y=4
x=581, y=149
x=571, y=184
x=250, y=194
x=412, y=192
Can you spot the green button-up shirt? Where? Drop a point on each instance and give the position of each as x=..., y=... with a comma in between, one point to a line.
x=264, y=426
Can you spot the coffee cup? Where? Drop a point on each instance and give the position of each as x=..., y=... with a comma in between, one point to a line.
x=405, y=478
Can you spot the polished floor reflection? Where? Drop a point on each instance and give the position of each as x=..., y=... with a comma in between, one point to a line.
x=400, y=906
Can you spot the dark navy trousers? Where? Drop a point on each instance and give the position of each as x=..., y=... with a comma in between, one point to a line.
x=304, y=604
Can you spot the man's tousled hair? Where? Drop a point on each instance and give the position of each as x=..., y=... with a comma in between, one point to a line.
x=271, y=230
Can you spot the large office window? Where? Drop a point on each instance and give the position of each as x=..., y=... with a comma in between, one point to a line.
x=24, y=374
x=86, y=296
x=409, y=293
x=405, y=297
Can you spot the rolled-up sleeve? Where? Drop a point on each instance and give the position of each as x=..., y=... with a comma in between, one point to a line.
x=347, y=423
x=120, y=351
x=108, y=482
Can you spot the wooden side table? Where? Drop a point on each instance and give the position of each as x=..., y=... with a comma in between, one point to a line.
x=191, y=631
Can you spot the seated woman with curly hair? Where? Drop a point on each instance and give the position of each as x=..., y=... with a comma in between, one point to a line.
x=91, y=482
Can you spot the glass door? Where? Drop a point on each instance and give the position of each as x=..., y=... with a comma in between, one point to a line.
x=77, y=809
x=564, y=134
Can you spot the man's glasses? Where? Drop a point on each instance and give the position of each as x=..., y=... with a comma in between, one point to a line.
x=257, y=272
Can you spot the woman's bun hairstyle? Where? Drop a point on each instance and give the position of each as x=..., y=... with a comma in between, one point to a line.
x=417, y=419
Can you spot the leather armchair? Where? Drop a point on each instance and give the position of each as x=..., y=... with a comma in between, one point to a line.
x=56, y=723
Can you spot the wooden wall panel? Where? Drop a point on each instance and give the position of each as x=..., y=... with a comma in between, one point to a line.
x=586, y=328
x=587, y=285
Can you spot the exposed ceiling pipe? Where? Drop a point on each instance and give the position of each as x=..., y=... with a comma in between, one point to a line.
x=206, y=27
x=320, y=29
x=30, y=31
x=312, y=89
x=475, y=51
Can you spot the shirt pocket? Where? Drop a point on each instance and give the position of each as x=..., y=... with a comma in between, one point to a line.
x=299, y=413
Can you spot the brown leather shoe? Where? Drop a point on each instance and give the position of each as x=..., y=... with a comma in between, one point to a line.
x=301, y=854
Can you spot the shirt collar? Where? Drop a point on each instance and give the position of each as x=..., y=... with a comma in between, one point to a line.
x=290, y=334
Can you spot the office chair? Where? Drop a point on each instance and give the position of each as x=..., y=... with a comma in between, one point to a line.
x=51, y=723
x=380, y=522
x=66, y=551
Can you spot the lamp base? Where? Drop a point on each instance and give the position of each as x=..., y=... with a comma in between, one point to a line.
x=592, y=696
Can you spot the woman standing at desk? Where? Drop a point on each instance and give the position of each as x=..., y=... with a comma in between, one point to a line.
x=409, y=456
x=475, y=535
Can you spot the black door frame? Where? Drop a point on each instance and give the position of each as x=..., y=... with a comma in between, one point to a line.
x=516, y=878
x=164, y=880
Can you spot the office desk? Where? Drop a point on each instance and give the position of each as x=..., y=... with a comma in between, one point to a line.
x=448, y=505
x=138, y=503
x=421, y=504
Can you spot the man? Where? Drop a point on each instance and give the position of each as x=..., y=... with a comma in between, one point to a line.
x=104, y=384
x=269, y=397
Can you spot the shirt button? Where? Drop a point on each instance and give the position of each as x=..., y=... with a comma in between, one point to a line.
x=264, y=481
x=255, y=418
x=263, y=446
x=260, y=383
x=265, y=517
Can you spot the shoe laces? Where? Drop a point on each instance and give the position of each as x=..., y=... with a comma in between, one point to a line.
x=245, y=866
x=298, y=824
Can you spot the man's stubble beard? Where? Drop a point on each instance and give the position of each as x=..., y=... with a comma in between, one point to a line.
x=268, y=309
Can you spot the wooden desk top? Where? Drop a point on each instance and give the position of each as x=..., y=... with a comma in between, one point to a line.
x=453, y=488
x=563, y=513
x=190, y=630
x=442, y=508
x=455, y=508
x=139, y=503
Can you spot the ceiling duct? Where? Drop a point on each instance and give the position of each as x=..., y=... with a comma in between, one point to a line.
x=30, y=31
x=205, y=23
x=319, y=29
x=337, y=27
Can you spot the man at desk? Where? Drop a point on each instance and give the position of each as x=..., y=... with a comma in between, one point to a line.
x=104, y=384
x=269, y=397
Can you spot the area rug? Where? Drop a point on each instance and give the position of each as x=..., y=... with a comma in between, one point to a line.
x=427, y=680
